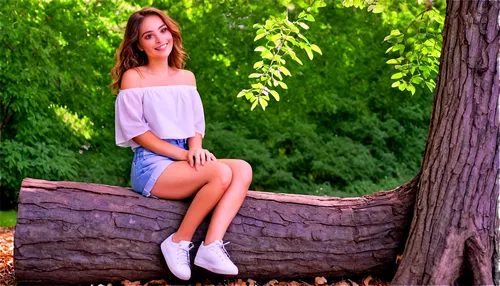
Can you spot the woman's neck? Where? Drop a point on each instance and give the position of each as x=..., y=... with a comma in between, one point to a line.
x=158, y=67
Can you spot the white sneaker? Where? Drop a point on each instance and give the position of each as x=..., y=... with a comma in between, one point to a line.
x=177, y=257
x=215, y=258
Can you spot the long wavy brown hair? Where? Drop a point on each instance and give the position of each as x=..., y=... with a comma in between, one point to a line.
x=128, y=54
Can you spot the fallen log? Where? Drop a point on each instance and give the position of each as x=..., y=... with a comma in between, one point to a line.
x=69, y=232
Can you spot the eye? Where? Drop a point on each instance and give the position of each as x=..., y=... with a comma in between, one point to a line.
x=148, y=36
x=164, y=30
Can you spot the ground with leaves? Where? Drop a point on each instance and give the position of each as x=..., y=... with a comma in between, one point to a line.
x=7, y=273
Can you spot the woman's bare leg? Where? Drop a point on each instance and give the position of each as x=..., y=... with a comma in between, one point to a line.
x=208, y=184
x=231, y=200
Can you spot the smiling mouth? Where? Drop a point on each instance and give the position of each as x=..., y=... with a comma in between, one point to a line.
x=162, y=47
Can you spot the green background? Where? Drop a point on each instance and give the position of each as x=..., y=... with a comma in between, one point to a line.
x=339, y=129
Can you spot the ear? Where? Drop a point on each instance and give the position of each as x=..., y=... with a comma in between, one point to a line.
x=139, y=47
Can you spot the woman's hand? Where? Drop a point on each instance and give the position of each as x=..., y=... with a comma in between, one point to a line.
x=197, y=157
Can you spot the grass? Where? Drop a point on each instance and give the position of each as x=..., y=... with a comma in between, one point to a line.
x=8, y=218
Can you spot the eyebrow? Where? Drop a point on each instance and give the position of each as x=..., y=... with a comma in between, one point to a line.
x=152, y=31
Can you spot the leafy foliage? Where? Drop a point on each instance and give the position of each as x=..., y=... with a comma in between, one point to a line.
x=421, y=39
x=419, y=65
x=339, y=128
x=52, y=70
x=280, y=42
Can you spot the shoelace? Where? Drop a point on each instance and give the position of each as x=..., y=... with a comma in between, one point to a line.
x=224, y=249
x=185, y=253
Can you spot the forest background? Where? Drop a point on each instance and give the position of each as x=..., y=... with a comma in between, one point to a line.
x=338, y=130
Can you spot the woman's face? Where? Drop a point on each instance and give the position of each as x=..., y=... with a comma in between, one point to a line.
x=155, y=38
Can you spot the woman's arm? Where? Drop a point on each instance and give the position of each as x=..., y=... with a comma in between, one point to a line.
x=197, y=156
x=151, y=142
x=195, y=142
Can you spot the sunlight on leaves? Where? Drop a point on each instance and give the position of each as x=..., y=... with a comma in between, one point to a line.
x=82, y=126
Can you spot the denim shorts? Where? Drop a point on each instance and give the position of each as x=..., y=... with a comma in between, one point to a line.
x=147, y=167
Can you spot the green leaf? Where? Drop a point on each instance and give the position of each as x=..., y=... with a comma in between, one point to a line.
x=267, y=55
x=242, y=93
x=398, y=47
x=395, y=32
x=302, y=14
x=395, y=84
x=258, y=64
x=259, y=36
x=275, y=37
x=269, y=24
x=275, y=94
x=292, y=40
x=283, y=85
x=261, y=49
x=347, y=3
x=255, y=75
x=392, y=62
x=303, y=38
x=310, y=18
x=292, y=27
x=397, y=75
x=411, y=88
x=277, y=74
x=402, y=86
x=378, y=8
x=303, y=25
x=309, y=52
x=263, y=103
x=285, y=71
x=260, y=31
x=254, y=105
x=249, y=95
x=429, y=43
x=316, y=49
x=430, y=86
x=416, y=80
x=257, y=85
x=295, y=58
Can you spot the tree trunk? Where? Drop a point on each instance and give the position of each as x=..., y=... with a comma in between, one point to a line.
x=453, y=227
x=70, y=232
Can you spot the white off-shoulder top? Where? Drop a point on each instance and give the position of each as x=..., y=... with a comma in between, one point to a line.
x=170, y=112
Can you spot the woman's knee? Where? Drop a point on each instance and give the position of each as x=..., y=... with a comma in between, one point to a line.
x=221, y=174
x=243, y=170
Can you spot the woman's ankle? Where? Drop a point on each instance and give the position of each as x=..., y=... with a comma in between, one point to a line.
x=179, y=237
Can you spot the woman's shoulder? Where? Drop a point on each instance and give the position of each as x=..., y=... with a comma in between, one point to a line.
x=185, y=77
x=135, y=78
x=132, y=78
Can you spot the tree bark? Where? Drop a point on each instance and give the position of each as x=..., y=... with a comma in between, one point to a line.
x=71, y=232
x=453, y=227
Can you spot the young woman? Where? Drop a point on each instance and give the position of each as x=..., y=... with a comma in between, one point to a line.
x=159, y=114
